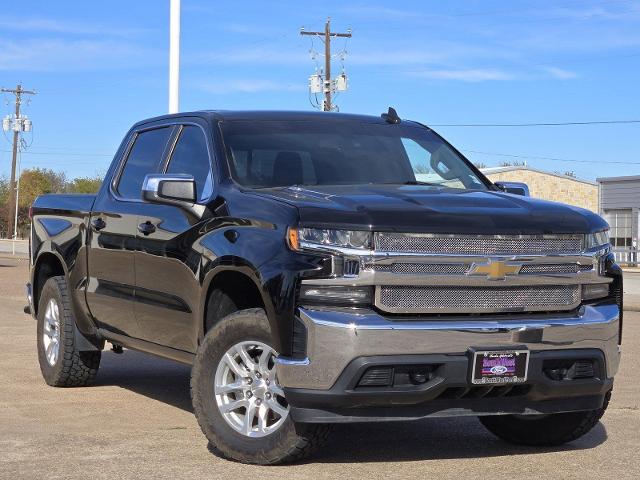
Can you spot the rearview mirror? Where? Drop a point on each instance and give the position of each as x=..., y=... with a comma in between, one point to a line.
x=516, y=188
x=171, y=189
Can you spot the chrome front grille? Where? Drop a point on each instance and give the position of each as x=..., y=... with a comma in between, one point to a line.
x=435, y=244
x=422, y=268
x=411, y=268
x=417, y=273
x=542, y=269
x=456, y=299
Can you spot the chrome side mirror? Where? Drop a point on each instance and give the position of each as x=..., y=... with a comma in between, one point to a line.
x=171, y=189
x=516, y=188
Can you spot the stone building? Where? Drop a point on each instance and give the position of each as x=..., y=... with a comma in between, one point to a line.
x=620, y=206
x=549, y=186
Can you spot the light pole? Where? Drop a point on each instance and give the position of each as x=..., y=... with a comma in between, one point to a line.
x=174, y=55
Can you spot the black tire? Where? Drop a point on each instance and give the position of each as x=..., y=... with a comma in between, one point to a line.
x=548, y=430
x=72, y=368
x=289, y=443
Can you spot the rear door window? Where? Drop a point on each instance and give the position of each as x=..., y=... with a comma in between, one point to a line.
x=145, y=157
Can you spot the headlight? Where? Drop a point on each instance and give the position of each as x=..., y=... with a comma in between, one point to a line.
x=340, y=295
x=595, y=240
x=300, y=238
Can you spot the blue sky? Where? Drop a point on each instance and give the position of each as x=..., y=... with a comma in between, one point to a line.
x=100, y=66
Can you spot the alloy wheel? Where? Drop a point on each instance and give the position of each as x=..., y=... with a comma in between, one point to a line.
x=247, y=391
x=51, y=332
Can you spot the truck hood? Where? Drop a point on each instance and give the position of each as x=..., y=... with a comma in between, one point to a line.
x=418, y=208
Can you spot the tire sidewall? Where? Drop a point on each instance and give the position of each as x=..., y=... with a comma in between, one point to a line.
x=248, y=325
x=49, y=291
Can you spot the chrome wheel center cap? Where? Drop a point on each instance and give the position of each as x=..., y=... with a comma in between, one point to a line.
x=259, y=388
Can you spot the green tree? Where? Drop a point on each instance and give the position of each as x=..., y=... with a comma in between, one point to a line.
x=38, y=181
x=85, y=184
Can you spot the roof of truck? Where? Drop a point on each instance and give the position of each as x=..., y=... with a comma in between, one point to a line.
x=268, y=115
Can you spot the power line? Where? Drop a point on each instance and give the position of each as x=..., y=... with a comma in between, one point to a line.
x=66, y=154
x=613, y=162
x=542, y=124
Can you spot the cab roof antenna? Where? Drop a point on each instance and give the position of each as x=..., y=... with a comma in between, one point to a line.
x=391, y=116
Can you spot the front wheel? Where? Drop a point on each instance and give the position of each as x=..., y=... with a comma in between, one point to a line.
x=238, y=402
x=544, y=430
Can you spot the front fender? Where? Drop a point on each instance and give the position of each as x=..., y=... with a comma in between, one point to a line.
x=258, y=250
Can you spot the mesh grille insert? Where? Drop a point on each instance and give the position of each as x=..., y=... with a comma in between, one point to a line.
x=477, y=244
x=407, y=299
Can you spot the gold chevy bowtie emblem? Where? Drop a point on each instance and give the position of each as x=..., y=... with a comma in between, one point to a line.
x=495, y=269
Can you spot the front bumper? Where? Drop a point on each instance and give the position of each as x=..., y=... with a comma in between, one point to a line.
x=339, y=338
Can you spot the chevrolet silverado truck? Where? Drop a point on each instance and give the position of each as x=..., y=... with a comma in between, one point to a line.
x=320, y=268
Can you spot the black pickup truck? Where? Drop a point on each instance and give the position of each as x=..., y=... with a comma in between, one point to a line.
x=316, y=268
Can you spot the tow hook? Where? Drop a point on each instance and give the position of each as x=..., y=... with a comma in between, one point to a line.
x=115, y=348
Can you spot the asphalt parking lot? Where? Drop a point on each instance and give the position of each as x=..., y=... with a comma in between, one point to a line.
x=137, y=422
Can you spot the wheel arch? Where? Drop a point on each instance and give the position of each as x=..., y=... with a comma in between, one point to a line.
x=242, y=284
x=47, y=265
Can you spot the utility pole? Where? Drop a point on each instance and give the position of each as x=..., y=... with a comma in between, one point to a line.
x=18, y=124
x=328, y=86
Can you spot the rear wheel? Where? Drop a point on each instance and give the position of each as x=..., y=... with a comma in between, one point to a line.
x=544, y=430
x=238, y=402
x=61, y=363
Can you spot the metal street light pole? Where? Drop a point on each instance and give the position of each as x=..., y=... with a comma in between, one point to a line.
x=174, y=55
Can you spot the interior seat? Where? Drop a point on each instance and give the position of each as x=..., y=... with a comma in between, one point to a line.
x=287, y=169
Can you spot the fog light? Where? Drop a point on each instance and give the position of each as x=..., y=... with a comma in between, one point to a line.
x=336, y=294
x=598, y=290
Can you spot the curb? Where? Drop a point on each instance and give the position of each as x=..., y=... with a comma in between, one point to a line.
x=8, y=256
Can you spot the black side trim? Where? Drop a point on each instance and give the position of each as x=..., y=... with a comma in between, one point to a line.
x=160, y=299
x=148, y=347
x=299, y=344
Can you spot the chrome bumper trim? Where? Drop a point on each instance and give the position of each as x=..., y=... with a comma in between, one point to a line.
x=337, y=336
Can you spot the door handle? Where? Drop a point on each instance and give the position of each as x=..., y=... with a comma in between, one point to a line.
x=98, y=224
x=146, y=228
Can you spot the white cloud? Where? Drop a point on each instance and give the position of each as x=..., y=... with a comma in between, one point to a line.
x=379, y=12
x=560, y=73
x=466, y=74
x=246, y=85
x=71, y=55
x=46, y=25
x=249, y=56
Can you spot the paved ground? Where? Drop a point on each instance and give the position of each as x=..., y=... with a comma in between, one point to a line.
x=137, y=423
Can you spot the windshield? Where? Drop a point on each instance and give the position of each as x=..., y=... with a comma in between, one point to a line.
x=266, y=154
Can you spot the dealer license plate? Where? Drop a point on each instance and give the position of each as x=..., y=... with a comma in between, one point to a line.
x=499, y=367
